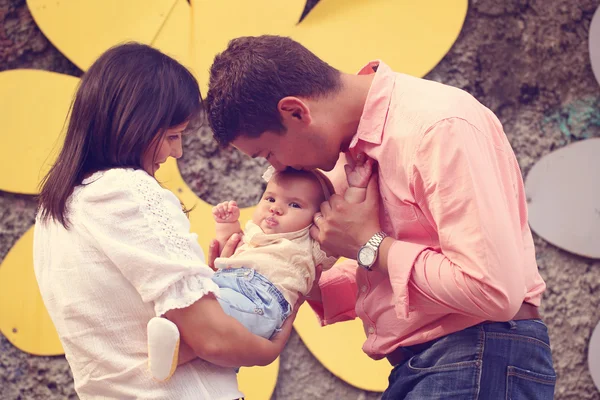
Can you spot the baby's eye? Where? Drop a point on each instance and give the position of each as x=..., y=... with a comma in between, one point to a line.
x=295, y=205
x=270, y=199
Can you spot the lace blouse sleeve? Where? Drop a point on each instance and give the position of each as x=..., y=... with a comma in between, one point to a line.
x=142, y=230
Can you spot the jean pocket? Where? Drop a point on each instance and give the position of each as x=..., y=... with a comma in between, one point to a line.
x=522, y=384
x=438, y=358
x=459, y=350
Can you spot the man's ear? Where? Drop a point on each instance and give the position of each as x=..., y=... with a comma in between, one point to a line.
x=294, y=111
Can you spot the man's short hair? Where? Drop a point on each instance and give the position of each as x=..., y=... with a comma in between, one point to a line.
x=252, y=75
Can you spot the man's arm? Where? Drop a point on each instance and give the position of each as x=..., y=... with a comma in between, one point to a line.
x=468, y=185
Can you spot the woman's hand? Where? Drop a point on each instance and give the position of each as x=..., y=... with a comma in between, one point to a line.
x=227, y=251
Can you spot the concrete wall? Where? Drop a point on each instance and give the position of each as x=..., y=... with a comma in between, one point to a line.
x=525, y=59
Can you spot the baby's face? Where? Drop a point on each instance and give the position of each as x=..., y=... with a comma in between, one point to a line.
x=288, y=204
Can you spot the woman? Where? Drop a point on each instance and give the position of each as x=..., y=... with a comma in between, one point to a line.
x=113, y=249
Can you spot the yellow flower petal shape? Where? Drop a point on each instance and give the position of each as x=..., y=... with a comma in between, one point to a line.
x=82, y=30
x=174, y=37
x=217, y=22
x=258, y=383
x=410, y=36
x=339, y=348
x=34, y=107
x=23, y=318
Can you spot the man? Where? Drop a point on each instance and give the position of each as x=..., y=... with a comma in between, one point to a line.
x=447, y=284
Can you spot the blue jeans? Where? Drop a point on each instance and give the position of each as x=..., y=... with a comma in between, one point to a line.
x=492, y=360
x=251, y=299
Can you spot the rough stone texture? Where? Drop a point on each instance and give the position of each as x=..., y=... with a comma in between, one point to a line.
x=525, y=59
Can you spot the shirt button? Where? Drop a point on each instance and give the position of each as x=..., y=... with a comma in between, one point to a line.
x=363, y=288
x=371, y=330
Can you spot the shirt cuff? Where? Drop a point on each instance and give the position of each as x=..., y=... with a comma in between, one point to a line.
x=184, y=293
x=401, y=260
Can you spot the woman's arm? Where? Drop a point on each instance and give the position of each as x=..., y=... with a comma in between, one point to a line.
x=220, y=339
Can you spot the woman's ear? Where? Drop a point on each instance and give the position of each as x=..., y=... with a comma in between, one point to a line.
x=294, y=111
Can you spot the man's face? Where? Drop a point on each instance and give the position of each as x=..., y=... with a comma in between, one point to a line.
x=299, y=150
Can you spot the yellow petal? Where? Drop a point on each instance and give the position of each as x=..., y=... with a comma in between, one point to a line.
x=23, y=318
x=258, y=383
x=339, y=348
x=410, y=36
x=217, y=22
x=174, y=37
x=34, y=107
x=82, y=30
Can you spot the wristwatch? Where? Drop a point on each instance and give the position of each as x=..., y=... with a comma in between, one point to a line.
x=367, y=254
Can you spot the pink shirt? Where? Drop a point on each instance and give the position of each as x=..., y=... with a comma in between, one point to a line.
x=452, y=196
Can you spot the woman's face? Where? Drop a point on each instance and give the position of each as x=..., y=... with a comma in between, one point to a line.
x=163, y=147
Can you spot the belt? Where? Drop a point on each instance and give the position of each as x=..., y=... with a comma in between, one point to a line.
x=401, y=354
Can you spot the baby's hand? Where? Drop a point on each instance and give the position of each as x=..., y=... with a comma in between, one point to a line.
x=225, y=212
x=359, y=172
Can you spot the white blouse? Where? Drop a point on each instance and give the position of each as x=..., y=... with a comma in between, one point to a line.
x=127, y=256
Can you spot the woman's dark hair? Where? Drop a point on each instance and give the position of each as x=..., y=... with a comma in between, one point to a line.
x=131, y=95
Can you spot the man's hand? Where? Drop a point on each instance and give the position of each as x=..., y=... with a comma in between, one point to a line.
x=342, y=228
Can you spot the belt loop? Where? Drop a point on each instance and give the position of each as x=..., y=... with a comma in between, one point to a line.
x=513, y=324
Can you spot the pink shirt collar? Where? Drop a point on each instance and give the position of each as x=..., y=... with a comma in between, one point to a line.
x=372, y=120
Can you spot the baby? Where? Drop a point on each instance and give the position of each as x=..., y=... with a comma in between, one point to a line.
x=276, y=261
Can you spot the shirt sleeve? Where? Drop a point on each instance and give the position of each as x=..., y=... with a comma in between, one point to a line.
x=465, y=185
x=338, y=294
x=142, y=229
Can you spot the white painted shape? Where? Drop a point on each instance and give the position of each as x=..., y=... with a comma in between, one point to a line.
x=594, y=44
x=594, y=356
x=563, y=189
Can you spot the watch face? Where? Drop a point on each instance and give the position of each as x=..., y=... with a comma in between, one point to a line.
x=366, y=256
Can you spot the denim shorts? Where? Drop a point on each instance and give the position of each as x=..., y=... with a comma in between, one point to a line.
x=252, y=299
x=491, y=361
